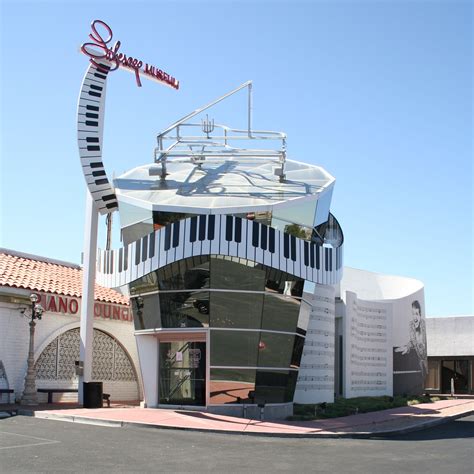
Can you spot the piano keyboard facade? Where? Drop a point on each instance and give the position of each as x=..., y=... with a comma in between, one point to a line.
x=220, y=235
x=90, y=121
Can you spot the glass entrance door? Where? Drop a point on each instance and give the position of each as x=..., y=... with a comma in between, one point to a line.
x=457, y=370
x=182, y=376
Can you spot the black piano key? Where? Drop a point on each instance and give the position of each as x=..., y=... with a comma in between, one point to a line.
x=151, y=250
x=125, y=258
x=330, y=259
x=101, y=181
x=95, y=87
x=101, y=76
x=202, y=227
x=111, y=205
x=228, y=228
x=168, y=237
x=98, y=173
x=137, y=252
x=93, y=148
x=293, y=248
x=238, y=230
x=286, y=245
x=92, y=123
x=104, y=263
x=271, y=239
x=337, y=258
x=193, y=229
x=95, y=94
x=176, y=234
x=326, y=258
x=93, y=116
x=108, y=197
x=255, y=233
x=318, y=259
x=92, y=139
x=264, y=237
x=97, y=164
x=306, y=253
x=111, y=257
x=92, y=107
x=211, y=227
x=120, y=268
x=312, y=249
x=145, y=248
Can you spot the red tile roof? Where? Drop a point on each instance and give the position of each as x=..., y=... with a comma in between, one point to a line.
x=20, y=270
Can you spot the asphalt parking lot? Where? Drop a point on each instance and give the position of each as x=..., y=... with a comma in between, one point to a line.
x=37, y=445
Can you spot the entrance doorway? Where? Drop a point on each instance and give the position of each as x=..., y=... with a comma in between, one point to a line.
x=457, y=370
x=182, y=372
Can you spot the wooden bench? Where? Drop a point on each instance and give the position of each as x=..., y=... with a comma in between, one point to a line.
x=7, y=391
x=50, y=391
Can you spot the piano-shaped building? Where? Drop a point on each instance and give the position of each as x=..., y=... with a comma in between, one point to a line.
x=233, y=262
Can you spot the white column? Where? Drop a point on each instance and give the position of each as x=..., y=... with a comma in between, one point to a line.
x=88, y=284
x=316, y=374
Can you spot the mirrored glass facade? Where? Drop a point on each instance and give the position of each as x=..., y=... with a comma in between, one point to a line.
x=252, y=312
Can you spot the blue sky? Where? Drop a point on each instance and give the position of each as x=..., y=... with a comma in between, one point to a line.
x=379, y=93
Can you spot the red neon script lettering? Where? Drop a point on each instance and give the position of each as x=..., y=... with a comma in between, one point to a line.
x=99, y=49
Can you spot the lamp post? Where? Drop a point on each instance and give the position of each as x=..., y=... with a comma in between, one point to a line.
x=29, y=394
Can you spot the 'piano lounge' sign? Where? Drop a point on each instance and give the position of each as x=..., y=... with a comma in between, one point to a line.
x=98, y=49
x=70, y=305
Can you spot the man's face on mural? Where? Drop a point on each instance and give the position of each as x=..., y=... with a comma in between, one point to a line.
x=416, y=316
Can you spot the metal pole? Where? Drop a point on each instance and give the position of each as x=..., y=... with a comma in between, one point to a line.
x=88, y=284
x=29, y=394
x=250, y=110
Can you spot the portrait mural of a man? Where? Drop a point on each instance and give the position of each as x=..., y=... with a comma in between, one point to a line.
x=410, y=364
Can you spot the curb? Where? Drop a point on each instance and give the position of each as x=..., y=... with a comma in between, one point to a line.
x=354, y=435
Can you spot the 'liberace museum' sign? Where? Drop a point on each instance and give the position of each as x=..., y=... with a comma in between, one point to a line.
x=99, y=49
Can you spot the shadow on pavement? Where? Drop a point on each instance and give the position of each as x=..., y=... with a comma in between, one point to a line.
x=456, y=429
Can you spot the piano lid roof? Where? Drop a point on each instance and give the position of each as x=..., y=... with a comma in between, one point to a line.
x=219, y=186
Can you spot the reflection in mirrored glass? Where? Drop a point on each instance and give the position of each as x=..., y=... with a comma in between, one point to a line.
x=236, y=310
x=187, y=274
x=146, y=311
x=184, y=309
x=236, y=274
x=232, y=386
x=275, y=386
x=234, y=348
x=275, y=350
x=280, y=313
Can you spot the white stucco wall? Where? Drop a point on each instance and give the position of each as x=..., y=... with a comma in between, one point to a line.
x=452, y=336
x=14, y=341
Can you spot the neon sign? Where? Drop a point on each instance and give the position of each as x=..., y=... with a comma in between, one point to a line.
x=99, y=49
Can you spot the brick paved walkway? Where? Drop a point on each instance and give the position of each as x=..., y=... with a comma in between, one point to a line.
x=396, y=420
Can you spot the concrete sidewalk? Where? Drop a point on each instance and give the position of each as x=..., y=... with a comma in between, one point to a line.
x=380, y=423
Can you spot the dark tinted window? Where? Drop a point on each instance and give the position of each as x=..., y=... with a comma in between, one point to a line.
x=236, y=275
x=236, y=310
x=280, y=313
x=274, y=386
x=184, y=309
x=234, y=348
x=275, y=350
x=147, y=317
x=188, y=274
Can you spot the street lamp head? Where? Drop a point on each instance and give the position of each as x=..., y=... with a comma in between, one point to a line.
x=33, y=298
x=38, y=311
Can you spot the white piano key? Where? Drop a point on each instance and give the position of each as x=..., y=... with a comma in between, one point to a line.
x=179, y=254
x=224, y=244
x=161, y=249
x=215, y=243
x=187, y=245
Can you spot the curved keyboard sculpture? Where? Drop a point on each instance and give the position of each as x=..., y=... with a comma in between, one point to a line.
x=90, y=121
x=220, y=235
